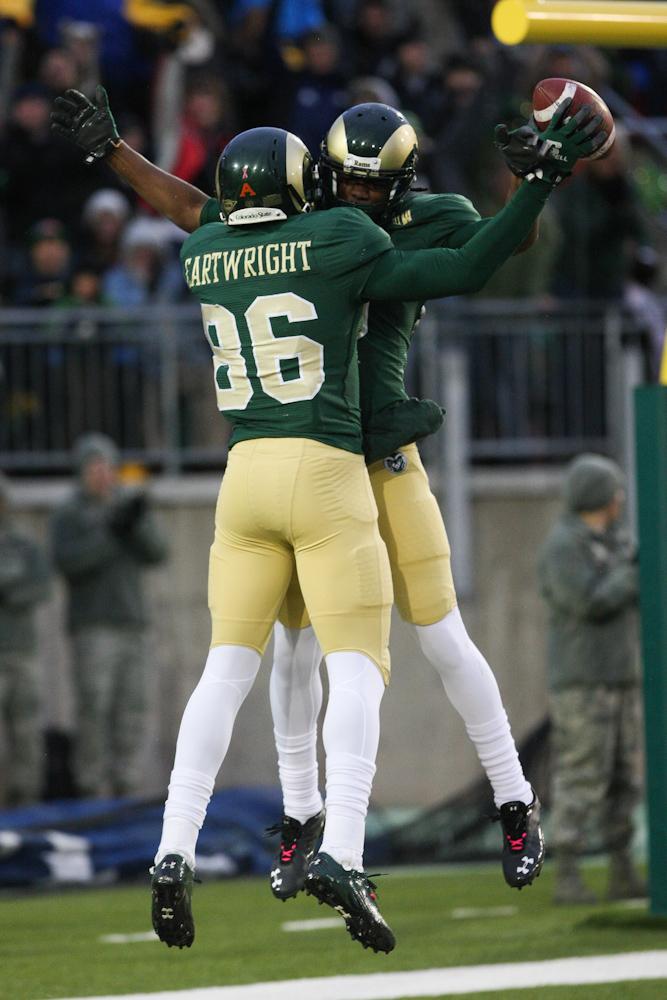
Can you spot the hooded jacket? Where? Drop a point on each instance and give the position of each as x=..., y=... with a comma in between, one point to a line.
x=589, y=581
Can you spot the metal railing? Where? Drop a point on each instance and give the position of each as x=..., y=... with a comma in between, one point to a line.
x=521, y=383
x=525, y=384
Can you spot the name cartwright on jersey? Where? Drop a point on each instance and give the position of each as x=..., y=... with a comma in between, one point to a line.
x=247, y=262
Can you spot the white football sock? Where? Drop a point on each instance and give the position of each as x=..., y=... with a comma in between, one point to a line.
x=203, y=741
x=351, y=733
x=296, y=699
x=472, y=689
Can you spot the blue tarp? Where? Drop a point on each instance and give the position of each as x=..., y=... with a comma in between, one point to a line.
x=94, y=841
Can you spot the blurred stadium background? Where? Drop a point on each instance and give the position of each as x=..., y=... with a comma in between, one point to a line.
x=97, y=333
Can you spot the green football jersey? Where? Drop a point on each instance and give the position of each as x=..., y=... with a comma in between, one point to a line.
x=423, y=221
x=249, y=280
x=281, y=306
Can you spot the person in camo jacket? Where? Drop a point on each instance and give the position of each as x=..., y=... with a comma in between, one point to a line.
x=24, y=583
x=104, y=536
x=589, y=579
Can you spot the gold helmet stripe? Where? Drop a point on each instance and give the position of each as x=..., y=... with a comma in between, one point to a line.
x=337, y=141
x=295, y=151
x=398, y=147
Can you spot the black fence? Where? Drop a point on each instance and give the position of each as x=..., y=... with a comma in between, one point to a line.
x=539, y=382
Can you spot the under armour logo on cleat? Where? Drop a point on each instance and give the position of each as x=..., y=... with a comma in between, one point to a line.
x=276, y=878
x=167, y=913
x=527, y=863
x=168, y=864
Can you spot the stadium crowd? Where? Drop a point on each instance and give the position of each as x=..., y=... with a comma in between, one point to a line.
x=184, y=78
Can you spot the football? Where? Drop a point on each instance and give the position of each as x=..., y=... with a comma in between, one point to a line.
x=549, y=94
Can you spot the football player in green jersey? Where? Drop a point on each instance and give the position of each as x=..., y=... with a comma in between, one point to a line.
x=290, y=395
x=368, y=160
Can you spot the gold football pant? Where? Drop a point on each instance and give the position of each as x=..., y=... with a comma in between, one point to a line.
x=293, y=504
x=411, y=525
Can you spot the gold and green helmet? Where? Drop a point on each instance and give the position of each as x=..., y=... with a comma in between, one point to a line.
x=373, y=142
x=262, y=175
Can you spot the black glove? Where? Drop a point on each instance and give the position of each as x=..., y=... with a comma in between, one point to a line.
x=518, y=148
x=556, y=150
x=89, y=126
x=126, y=511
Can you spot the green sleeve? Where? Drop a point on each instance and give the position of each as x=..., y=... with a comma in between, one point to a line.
x=210, y=212
x=432, y=274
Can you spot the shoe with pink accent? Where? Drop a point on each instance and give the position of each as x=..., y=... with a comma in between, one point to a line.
x=298, y=843
x=523, y=843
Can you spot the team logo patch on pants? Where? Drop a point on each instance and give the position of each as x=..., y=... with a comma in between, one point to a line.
x=396, y=463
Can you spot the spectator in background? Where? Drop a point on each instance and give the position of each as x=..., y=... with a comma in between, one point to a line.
x=58, y=71
x=148, y=271
x=601, y=226
x=207, y=125
x=572, y=62
x=105, y=42
x=103, y=537
x=105, y=215
x=283, y=19
x=44, y=279
x=264, y=36
x=315, y=96
x=417, y=80
x=462, y=145
x=85, y=288
x=588, y=577
x=24, y=583
x=375, y=38
x=41, y=176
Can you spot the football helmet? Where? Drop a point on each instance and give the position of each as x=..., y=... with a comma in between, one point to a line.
x=375, y=143
x=262, y=175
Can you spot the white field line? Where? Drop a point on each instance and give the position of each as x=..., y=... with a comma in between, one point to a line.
x=435, y=982
x=128, y=938
x=317, y=924
x=331, y=923
x=473, y=912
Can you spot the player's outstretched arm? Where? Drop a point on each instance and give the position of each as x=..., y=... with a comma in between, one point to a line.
x=170, y=196
x=92, y=128
x=428, y=274
x=534, y=234
x=432, y=274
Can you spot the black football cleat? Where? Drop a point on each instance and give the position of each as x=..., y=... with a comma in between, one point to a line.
x=353, y=895
x=298, y=842
x=523, y=843
x=171, y=910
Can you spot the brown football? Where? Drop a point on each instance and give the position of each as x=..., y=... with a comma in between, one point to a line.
x=548, y=95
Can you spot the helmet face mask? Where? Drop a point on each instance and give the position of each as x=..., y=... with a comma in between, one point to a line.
x=264, y=175
x=370, y=143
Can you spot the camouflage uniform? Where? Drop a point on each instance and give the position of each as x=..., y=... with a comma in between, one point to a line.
x=589, y=581
x=101, y=547
x=24, y=582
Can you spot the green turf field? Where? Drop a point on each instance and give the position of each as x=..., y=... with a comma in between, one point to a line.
x=50, y=943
